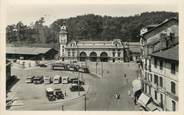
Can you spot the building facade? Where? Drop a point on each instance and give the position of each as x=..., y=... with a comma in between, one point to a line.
x=160, y=62
x=94, y=51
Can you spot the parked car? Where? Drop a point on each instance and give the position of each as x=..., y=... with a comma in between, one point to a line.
x=42, y=65
x=47, y=79
x=59, y=66
x=65, y=79
x=58, y=93
x=76, y=87
x=77, y=81
x=38, y=80
x=72, y=67
x=50, y=94
x=57, y=79
x=30, y=79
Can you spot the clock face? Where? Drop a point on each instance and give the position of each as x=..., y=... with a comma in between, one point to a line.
x=63, y=39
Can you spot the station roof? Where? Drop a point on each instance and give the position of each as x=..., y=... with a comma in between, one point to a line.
x=170, y=54
x=27, y=50
x=94, y=42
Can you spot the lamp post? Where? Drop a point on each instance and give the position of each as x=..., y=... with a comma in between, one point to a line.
x=78, y=85
x=85, y=102
x=96, y=67
x=102, y=68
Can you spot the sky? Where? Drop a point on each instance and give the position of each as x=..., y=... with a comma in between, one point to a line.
x=29, y=13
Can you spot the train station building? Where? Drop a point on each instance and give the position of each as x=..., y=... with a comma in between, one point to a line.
x=94, y=51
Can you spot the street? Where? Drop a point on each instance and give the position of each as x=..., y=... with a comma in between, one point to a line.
x=100, y=94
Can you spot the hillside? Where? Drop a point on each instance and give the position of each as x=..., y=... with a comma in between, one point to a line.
x=87, y=27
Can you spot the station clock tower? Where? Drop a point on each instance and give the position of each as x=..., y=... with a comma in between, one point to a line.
x=62, y=41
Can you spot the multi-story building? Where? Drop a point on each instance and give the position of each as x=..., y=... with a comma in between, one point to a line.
x=94, y=51
x=160, y=62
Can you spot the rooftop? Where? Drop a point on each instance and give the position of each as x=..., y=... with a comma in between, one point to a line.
x=161, y=24
x=95, y=42
x=170, y=54
x=27, y=50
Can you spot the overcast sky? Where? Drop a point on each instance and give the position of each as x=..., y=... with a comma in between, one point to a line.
x=29, y=13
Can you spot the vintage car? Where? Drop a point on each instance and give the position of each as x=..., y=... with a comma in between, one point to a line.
x=30, y=79
x=50, y=94
x=76, y=87
x=47, y=79
x=57, y=79
x=38, y=80
x=58, y=93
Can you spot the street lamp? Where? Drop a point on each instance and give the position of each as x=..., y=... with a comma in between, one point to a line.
x=78, y=85
x=96, y=67
x=85, y=99
x=102, y=68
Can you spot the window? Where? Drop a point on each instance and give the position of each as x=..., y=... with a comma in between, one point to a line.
x=119, y=53
x=113, y=53
x=149, y=90
x=151, y=77
x=161, y=64
x=173, y=68
x=173, y=87
x=73, y=54
x=156, y=95
x=173, y=105
x=155, y=62
x=156, y=79
x=69, y=54
x=161, y=82
x=145, y=88
x=146, y=74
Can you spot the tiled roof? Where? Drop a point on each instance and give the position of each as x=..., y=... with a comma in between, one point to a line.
x=170, y=54
x=163, y=23
x=95, y=46
x=27, y=50
x=94, y=42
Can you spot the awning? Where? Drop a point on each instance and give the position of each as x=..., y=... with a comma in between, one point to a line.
x=143, y=99
x=136, y=85
x=152, y=107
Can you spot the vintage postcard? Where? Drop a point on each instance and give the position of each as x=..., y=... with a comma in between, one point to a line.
x=91, y=56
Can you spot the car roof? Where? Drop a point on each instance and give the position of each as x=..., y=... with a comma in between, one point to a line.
x=49, y=89
x=57, y=76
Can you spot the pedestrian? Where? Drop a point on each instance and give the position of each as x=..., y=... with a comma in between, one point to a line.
x=135, y=101
x=116, y=95
x=129, y=93
x=125, y=75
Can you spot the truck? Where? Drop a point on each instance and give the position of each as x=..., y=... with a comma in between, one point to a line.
x=50, y=94
x=57, y=79
x=65, y=79
x=47, y=79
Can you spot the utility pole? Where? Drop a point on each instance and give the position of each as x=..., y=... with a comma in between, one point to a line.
x=78, y=84
x=102, y=69
x=85, y=102
x=96, y=67
x=62, y=107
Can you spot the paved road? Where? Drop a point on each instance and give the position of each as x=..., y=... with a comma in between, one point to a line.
x=101, y=91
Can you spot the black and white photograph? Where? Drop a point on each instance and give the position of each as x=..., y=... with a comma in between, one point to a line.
x=92, y=57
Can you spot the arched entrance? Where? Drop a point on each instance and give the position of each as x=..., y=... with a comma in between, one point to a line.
x=93, y=56
x=83, y=56
x=104, y=57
